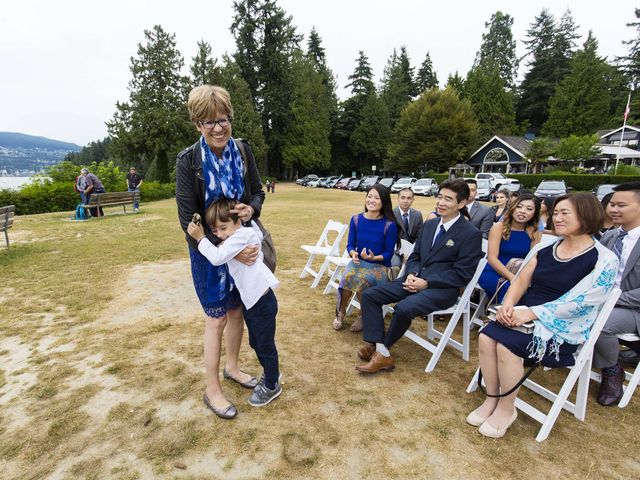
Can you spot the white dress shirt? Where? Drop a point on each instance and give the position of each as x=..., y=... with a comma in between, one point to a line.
x=628, y=243
x=252, y=281
x=447, y=226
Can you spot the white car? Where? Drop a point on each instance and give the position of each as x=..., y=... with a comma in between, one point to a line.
x=314, y=183
x=404, y=182
x=425, y=186
x=496, y=180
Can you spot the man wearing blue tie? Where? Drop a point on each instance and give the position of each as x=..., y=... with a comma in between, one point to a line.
x=444, y=259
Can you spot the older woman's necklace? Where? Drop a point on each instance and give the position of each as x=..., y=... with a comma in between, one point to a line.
x=571, y=257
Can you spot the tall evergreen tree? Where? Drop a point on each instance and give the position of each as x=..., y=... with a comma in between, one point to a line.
x=361, y=80
x=631, y=66
x=550, y=47
x=581, y=103
x=370, y=139
x=266, y=40
x=455, y=82
x=498, y=49
x=246, y=119
x=492, y=104
x=437, y=130
x=398, y=86
x=426, y=78
x=203, y=65
x=306, y=140
x=153, y=126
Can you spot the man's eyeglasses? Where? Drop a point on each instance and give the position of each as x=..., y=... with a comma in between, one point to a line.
x=210, y=124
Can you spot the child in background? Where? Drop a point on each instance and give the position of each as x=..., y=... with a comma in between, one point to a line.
x=254, y=282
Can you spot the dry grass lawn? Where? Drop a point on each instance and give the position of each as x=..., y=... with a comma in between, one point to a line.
x=101, y=372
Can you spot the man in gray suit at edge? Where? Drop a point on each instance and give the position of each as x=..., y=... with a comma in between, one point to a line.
x=481, y=215
x=624, y=209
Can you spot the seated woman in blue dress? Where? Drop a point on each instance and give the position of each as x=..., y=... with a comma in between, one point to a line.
x=559, y=288
x=373, y=236
x=513, y=237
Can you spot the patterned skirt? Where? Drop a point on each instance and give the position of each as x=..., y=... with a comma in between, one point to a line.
x=214, y=286
x=360, y=277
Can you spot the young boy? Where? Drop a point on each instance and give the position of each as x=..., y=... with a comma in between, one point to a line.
x=254, y=282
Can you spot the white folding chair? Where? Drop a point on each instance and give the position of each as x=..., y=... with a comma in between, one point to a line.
x=336, y=267
x=323, y=248
x=632, y=378
x=462, y=308
x=579, y=372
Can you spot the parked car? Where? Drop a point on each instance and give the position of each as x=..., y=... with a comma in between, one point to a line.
x=425, y=186
x=484, y=190
x=368, y=182
x=387, y=182
x=551, y=189
x=323, y=182
x=343, y=182
x=332, y=181
x=307, y=178
x=601, y=190
x=354, y=184
x=314, y=183
x=404, y=182
x=496, y=180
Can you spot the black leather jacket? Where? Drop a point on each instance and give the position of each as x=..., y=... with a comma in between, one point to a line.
x=190, y=188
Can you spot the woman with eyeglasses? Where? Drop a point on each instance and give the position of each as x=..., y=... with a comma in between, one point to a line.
x=208, y=170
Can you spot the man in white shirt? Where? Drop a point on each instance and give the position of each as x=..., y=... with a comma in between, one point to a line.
x=624, y=209
x=481, y=216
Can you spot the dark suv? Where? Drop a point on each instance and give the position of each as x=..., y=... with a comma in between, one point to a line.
x=551, y=189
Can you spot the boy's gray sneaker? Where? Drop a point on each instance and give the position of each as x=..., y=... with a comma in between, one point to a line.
x=262, y=395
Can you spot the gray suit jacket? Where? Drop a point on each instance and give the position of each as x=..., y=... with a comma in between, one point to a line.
x=630, y=283
x=415, y=224
x=481, y=217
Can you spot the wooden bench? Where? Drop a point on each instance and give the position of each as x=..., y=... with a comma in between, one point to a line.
x=6, y=221
x=113, y=199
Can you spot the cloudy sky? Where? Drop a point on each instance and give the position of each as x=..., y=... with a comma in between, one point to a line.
x=64, y=64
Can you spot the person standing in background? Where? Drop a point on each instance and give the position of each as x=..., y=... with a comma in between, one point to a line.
x=134, y=180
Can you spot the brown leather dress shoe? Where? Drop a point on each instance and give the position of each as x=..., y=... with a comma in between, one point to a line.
x=378, y=362
x=611, y=391
x=366, y=352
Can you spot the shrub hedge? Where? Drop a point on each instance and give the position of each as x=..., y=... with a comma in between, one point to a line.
x=48, y=197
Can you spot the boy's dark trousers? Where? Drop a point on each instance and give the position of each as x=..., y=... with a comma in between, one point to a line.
x=261, y=323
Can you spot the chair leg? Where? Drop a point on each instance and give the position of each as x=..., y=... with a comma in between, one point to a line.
x=473, y=384
x=466, y=335
x=307, y=267
x=631, y=386
x=320, y=274
x=443, y=342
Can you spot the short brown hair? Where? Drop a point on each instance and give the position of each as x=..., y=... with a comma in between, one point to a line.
x=588, y=209
x=206, y=101
x=220, y=210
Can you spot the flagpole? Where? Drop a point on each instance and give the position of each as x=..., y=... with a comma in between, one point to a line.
x=626, y=114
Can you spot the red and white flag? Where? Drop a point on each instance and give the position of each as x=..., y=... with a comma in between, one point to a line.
x=627, y=110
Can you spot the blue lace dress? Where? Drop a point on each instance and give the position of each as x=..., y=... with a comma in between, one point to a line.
x=517, y=246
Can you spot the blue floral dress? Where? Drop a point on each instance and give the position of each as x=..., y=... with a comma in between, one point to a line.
x=223, y=178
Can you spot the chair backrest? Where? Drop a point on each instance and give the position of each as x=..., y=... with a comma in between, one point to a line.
x=485, y=246
x=548, y=238
x=406, y=248
x=603, y=315
x=463, y=301
x=331, y=226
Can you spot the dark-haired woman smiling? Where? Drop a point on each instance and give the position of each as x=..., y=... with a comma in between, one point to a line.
x=373, y=235
x=559, y=289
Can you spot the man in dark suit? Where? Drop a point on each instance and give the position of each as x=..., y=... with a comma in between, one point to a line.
x=444, y=259
x=409, y=219
x=624, y=209
x=481, y=215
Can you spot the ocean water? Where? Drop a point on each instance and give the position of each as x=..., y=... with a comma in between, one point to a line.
x=14, y=182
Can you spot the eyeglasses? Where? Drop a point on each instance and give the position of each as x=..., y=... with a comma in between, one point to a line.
x=211, y=124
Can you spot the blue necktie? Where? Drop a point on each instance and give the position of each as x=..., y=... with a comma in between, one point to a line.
x=617, y=246
x=405, y=217
x=441, y=231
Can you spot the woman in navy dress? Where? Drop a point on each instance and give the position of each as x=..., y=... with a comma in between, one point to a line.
x=373, y=237
x=513, y=237
x=210, y=169
x=559, y=289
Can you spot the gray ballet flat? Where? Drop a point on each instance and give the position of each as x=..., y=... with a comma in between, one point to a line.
x=251, y=383
x=226, y=413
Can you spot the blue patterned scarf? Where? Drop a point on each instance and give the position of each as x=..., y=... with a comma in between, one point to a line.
x=223, y=177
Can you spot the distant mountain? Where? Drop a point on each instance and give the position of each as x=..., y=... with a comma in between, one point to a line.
x=22, y=154
x=21, y=140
